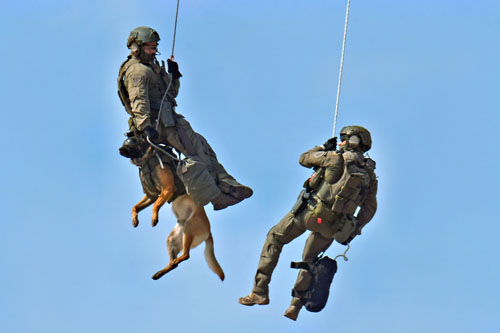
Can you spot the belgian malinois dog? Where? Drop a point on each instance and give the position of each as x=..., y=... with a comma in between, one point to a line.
x=192, y=228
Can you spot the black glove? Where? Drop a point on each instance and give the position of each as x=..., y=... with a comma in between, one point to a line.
x=331, y=144
x=173, y=68
x=151, y=133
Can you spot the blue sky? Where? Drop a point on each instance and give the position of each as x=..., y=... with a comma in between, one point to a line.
x=259, y=83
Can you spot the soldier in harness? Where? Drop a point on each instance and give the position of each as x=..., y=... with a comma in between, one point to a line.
x=148, y=94
x=343, y=183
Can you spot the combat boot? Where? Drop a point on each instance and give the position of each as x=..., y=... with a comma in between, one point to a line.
x=292, y=312
x=240, y=192
x=224, y=200
x=253, y=299
x=229, y=186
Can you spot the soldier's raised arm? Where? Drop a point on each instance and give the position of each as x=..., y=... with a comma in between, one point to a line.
x=312, y=157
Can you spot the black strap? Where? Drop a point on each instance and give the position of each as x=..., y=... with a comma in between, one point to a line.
x=299, y=294
x=300, y=265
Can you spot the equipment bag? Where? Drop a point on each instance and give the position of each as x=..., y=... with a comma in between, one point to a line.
x=199, y=183
x=322, y=271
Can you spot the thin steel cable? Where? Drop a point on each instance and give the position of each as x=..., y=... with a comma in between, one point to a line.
x=341, y=67
x=175, y=30
x=170, y=76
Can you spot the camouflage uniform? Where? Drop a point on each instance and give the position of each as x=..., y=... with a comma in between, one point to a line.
x=142, y=85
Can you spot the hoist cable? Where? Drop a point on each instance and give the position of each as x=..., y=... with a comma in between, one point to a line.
x=175, y=30
x=341, y=68
x=170, y=76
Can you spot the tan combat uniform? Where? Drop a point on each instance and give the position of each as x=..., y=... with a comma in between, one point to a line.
x=145, y=85
x=323, y=233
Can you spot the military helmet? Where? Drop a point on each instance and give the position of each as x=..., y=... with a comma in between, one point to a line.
x=142, y=35
x=361, y=132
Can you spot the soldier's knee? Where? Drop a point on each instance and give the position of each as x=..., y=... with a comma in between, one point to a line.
x=275, y=240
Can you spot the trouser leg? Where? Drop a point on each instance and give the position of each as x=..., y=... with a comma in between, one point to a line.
x=315, y=244
x=170, y=136
x=233, y=191
x=285, y=231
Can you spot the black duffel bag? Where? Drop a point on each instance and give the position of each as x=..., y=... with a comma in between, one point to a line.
x=322, y=270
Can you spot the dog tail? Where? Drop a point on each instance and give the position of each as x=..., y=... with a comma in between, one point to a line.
x=210, y=258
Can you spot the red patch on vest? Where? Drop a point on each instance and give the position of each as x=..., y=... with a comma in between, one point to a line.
x=319, y=220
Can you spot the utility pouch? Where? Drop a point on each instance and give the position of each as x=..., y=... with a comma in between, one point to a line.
x=301, y=202
x=199, y=183
x=315, y=179
x=320, y=210
x=322, y=270
x=347, y=229
x=167, y=115
x=345, y=200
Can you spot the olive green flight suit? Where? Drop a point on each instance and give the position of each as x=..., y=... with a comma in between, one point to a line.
x=292, y=226
x=145, y=85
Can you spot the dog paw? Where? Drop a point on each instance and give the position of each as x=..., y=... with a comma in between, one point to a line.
x=158, y=275
x=154, y=221
x=135, y=222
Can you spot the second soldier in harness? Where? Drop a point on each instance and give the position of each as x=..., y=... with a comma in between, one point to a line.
x=343, y=184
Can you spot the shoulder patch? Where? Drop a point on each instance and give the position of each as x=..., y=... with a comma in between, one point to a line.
x=136, y=79
x=319, y=154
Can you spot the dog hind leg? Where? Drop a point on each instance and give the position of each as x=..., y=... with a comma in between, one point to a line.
x=174, y=242
x=187, y=241
x=174, y=245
